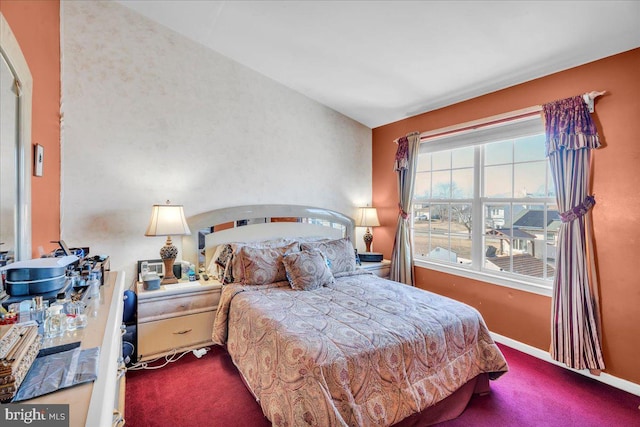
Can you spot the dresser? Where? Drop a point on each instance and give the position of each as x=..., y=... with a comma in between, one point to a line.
x=99, y=403
x=380, y=268
x=176, y=318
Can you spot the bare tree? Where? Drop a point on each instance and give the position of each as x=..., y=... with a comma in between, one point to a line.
x=458, y=212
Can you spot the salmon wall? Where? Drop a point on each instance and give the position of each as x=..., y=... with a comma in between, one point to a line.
x=524, y=316
x=36, y=26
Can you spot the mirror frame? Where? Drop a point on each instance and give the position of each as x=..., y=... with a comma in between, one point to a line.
x=10, y=50
x=239, y=216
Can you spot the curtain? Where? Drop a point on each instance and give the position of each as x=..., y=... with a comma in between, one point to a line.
x=406, y=163
x=575, y=327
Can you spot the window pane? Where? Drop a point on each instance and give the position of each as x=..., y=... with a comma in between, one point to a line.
x=422, y=188
x=494, y=247
x=495, y=217
x=441, y=160
x=529, y=148
x=439, y=226
x=462, y=184
x=498, y=153
x=421, y=214
x=437, y=213
x=530, y=180
x=527, y=247
x=441, y=185
x=462, y=157
x=421, y=245
x=461, y=225
x=551, y=188
x=424, y=162
x=497, y=181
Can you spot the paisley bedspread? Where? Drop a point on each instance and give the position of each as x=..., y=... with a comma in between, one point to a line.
x=364, y=351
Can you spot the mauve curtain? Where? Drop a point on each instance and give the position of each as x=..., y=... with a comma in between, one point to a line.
x=575, y=327
x=406, y=164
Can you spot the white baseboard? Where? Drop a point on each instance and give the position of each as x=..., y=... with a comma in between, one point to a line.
x=608, y=379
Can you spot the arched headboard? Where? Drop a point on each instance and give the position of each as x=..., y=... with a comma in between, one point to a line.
x=258, y=222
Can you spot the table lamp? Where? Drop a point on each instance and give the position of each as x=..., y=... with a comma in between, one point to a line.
x=369, y=218
x=168, y=220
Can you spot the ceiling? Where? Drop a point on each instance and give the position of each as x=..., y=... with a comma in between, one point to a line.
x=382, y=61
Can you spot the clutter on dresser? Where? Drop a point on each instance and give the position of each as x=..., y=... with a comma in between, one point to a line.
x=19, y=345
x=37, y=276
x=62, y=274
x=57, y=368
x=46, y=298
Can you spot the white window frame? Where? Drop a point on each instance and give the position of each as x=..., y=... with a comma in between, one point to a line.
x=478, y=135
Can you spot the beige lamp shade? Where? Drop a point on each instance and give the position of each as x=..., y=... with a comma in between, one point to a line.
x=368, y=217
x=167, y=220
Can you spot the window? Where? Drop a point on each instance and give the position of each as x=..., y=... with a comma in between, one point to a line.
x=484, y=205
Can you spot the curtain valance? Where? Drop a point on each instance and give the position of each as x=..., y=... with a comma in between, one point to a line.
x=568, y=125
x=402, y=153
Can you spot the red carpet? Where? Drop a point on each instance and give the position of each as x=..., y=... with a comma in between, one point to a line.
x=209, y=392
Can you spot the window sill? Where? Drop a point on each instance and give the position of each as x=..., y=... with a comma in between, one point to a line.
x=521, y=285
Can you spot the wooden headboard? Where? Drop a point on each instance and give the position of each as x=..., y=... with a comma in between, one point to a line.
x=260, y=222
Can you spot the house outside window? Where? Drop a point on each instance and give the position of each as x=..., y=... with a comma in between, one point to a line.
x=484, y=206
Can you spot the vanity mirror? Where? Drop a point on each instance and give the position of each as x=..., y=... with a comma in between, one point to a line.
x=15, y=149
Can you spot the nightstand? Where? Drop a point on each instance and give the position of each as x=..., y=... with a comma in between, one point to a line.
x=381, y=268
x=176, y=317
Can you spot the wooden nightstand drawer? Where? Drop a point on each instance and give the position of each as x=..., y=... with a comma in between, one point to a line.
x=172, y=306
x=176, y=333
x=382, y=268
x=176, y=317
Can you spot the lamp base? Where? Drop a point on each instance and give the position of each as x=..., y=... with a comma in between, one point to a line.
x=368, y=238
x=168, y=254
x=169, y=277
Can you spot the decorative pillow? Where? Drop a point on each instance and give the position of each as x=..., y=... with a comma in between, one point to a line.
x=220, y=265
x=339, y=252
x=263, y=265
x=231, y=269
x=307, y=270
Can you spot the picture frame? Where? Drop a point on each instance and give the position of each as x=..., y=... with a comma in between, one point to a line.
x=38, y=159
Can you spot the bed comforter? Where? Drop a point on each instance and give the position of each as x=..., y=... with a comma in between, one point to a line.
x=364, y=351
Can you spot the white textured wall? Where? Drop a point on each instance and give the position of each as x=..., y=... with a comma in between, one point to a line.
x=150, y=116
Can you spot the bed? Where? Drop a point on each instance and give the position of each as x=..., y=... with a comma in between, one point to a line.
x=319, y=342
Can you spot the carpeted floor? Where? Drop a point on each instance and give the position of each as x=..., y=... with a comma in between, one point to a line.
x=209, y=392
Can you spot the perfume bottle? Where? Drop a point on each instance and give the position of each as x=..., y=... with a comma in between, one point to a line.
x=55, y=323
x=76, y=317
x=94, y=286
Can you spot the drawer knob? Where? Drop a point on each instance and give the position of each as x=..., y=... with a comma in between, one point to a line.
x=121, y=372
x=118, y=419
x=186, y=331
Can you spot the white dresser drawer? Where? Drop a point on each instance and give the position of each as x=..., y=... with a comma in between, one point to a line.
x=175, y=333
x=174, y=305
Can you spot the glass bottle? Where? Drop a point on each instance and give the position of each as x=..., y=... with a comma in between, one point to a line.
x=94, y=286
x=54, y=322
